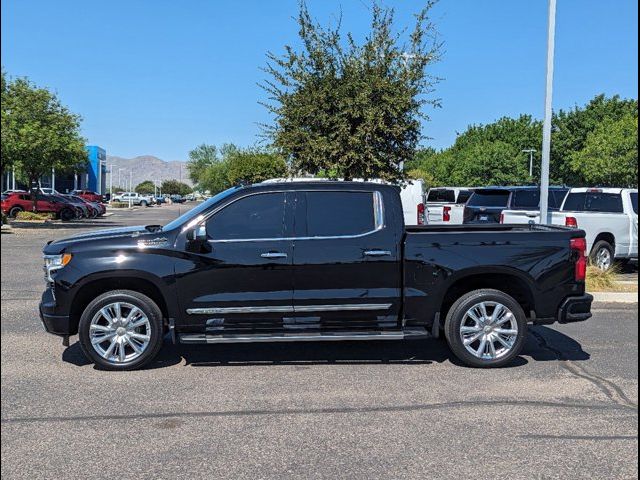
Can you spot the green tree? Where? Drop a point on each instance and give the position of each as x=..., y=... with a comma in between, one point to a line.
x=215, y=178
x=146, y=188
x=347, y=109
x=200, y=158
x=610, y=154
x=39, y=133
x=253, y=166
x=174, y=187
x=572, y=128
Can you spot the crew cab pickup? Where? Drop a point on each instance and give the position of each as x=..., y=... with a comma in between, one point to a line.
x=310, y=261
x=609, y=217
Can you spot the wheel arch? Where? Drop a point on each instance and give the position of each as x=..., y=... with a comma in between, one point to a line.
x=96, y=286
x=513, y=284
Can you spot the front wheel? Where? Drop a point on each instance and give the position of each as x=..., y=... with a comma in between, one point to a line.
x=121, y=330
x=486, y=328
x=67, y=214
x=13, y=213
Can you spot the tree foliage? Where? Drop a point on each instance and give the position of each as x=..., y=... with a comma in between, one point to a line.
x=348, y=109
x=200, y=158
x=146, y=187
x=610, y=154
x=174, y=187
x=591, y=145
x=38, y=132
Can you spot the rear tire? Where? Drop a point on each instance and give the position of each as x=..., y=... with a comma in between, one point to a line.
x=13, y=213
x=602, y=255
x=486, y=328
x=129, y=325
x=143, y=203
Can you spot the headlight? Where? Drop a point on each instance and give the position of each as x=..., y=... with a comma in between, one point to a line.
x=53, y=263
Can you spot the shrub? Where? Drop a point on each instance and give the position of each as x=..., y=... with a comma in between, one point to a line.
x=33, y=216
x=119, y=204
x=601, y=280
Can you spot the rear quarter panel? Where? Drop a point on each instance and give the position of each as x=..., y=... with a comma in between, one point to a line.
x=434, y=262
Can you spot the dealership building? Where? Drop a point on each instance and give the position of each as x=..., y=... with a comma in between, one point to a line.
x=94, y=178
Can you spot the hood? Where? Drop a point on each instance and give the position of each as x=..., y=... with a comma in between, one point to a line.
x=131, y=232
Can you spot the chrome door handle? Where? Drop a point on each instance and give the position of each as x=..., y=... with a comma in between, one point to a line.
x=377, y=253
x=273, y=255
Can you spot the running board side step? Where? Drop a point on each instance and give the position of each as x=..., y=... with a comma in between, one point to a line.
x=303, y=337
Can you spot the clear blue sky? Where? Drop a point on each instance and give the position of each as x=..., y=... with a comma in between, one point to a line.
x=160, y=77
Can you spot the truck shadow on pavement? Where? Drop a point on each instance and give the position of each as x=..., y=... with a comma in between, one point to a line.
x=542, y=344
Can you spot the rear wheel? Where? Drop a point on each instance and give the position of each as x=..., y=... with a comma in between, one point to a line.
x=602, y=255
x=121, y=330
x=144, y=203
x=15, y=211
x=486, y=328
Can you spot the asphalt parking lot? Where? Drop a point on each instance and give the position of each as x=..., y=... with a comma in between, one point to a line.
x=567, y=408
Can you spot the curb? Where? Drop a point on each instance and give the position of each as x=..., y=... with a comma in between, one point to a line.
x=614, y=297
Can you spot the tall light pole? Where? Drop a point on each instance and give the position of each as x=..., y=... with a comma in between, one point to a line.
x=546, y=127
x=119, y=179
x=110, y=181
x=530, y=151
x=130, y=186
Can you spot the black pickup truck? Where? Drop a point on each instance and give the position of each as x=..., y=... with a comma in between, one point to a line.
x=310, y=261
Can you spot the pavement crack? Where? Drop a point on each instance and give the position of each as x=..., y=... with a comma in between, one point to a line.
x=612, y=391
x=317, y=411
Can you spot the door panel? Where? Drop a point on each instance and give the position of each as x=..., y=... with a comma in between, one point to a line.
x=242, y=281
x=346, y=267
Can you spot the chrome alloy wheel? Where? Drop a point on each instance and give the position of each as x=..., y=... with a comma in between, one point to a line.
x=489, y=330
x=120, y=332
x=603, y=259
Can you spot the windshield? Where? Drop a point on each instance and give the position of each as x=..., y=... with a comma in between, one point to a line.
x=195, y=212
x=489, y=198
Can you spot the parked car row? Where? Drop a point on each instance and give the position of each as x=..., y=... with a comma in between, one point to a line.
x=609, y=216
x=63, y=206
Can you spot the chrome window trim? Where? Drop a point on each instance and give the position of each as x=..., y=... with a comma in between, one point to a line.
x=378, y=218
x=290, y=309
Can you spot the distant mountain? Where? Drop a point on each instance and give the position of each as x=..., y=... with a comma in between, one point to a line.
x=145, y=167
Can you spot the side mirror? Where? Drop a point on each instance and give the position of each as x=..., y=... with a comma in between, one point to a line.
x=197, y=234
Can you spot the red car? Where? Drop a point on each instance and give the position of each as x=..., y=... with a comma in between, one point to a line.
x=88, y=195
x=13, y=203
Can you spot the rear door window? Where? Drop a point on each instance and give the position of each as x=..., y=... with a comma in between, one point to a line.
x=335, y=214
x=441, y=195
x=489, y=198
x=526, y=199
x=556, y=197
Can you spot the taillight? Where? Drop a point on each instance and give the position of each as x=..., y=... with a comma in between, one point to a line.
x=446, y=214
x=579, y=245
x=571, y=222
x=421, y=214
x=502, y=218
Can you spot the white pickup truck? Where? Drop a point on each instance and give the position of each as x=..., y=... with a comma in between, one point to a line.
x=135, y=198
x=609, y=216
x=446, y=204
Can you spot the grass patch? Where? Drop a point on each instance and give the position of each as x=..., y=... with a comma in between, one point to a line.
x=607, y=281
x=34, y=216
x=119, y=204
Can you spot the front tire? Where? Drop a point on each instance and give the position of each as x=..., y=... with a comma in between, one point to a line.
x=486, y=328
x=67, y=215
x=602, y=255
x=121, y=330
